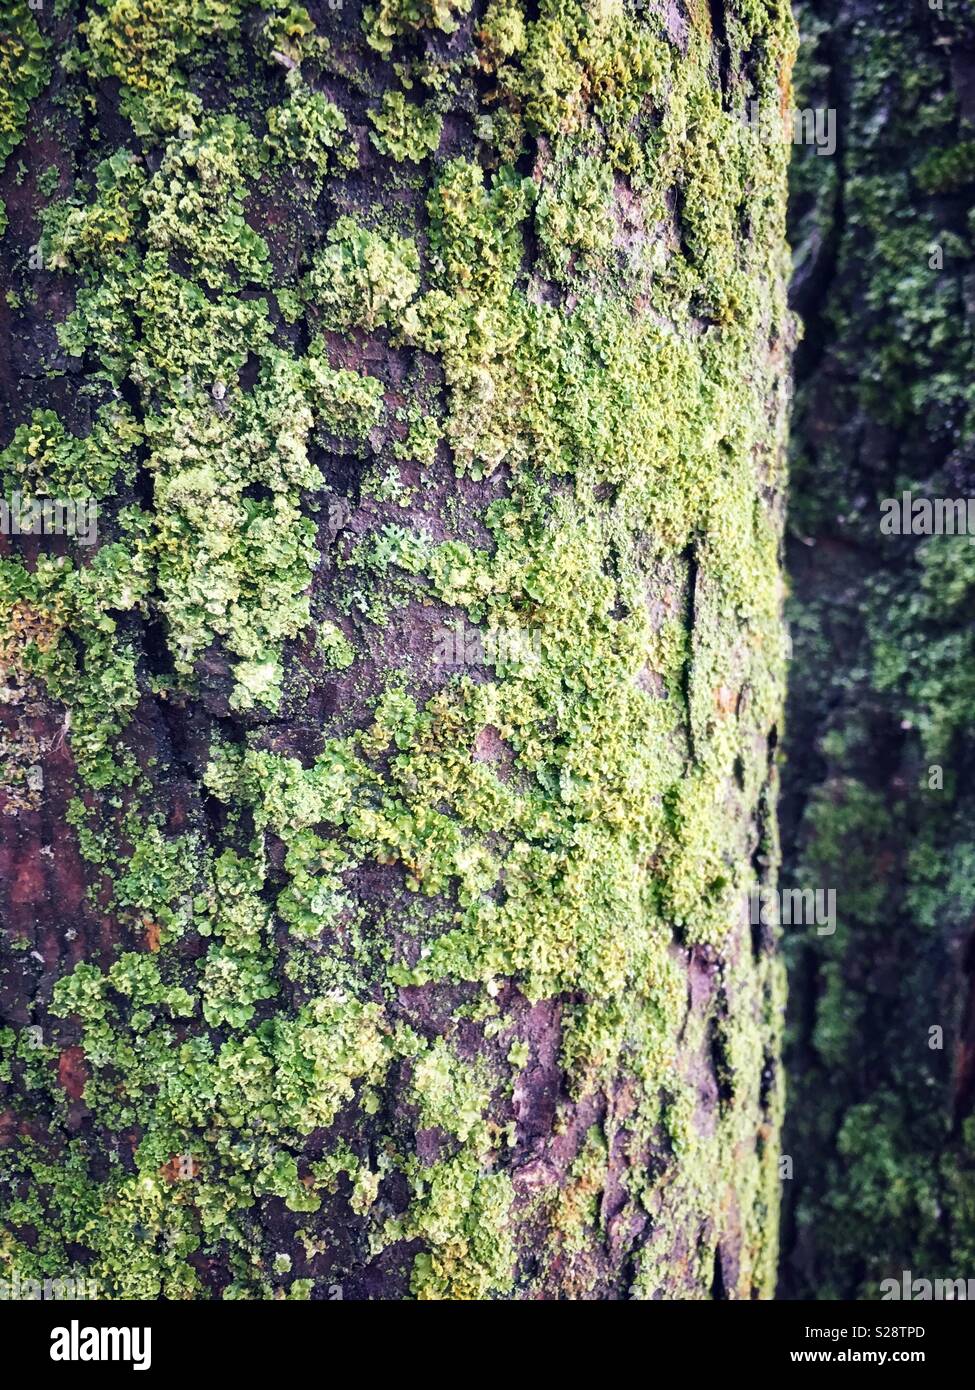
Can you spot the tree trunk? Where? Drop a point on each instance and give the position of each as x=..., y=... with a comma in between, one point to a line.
x=384, y=784
x=879, y=802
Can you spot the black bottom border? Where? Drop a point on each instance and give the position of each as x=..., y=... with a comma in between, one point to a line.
x=216, y=1338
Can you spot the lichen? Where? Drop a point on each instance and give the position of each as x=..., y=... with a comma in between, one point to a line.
x=24, y=70
x=405, y=130
x=308, y=131
x=391, y=19
x=362, y=278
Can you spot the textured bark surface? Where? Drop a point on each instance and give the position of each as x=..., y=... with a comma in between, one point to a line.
x=878, y=789
x=382, y=790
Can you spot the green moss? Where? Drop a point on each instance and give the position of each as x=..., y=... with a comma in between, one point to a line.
x=447, y=1092
x=226, y=567
x=92, y=670
x=152, y=48
x=875, y=1125
x=475, y=232
x=948, y=170
x=48, y=181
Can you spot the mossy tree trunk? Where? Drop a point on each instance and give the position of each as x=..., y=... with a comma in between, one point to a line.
x=384, y=785
x=879, y=801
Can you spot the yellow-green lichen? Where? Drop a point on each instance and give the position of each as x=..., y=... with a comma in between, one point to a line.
x=390, y=19
x=24, y=69
x=405, y=130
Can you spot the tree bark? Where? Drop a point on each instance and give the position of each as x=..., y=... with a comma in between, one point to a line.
x=878, y=802
x=385, y=783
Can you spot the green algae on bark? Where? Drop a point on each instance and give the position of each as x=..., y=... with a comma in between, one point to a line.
x=430, y=974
